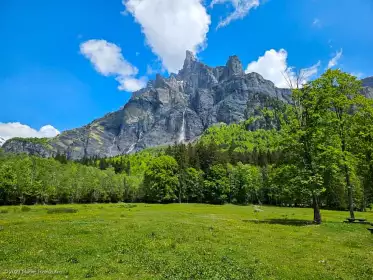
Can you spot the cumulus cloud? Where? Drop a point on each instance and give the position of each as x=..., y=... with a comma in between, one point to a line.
x=171, y=27
x=273, y=66
x=334, y=61
x=241, y=9
x=16, y=129
x=131, y=84
x=108, y=60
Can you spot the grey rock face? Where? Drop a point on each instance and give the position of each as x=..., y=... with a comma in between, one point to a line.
x=368, y=87
x=368, y=82
x=233, y=67
x=168, y=110
x=31, y=148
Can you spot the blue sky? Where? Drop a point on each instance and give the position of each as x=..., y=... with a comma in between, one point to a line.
x=65, y=63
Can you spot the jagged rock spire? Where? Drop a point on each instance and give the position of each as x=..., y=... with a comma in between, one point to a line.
x=159, y=81
x=189, y=56
x=233, y=67
x=189, y=61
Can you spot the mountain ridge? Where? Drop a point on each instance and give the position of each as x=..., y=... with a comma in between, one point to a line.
x=174, y=109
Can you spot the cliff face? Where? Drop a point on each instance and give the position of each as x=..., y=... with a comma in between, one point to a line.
x=178, y=108
x=368, y=87
x=368, y=82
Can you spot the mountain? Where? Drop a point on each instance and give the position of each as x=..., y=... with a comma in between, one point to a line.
x=368, y=82
x=178, y=108
x=368, y=87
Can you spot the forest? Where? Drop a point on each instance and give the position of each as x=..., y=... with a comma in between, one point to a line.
x=316, y=152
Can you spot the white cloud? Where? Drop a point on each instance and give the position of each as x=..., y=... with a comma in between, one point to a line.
x=150, y=70
x=273, y=66
x=241, y=9
x=334, y=61
x=16, y=129
x=108, y=60
x=131, y=84
x=171, y=27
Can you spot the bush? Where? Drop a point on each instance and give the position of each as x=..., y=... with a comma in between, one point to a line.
x=61, y=210
x=3, y=211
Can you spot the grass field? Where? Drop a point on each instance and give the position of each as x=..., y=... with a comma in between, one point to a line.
x=187, y=241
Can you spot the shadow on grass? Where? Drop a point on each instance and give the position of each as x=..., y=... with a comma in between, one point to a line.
x=284, y=222
x=61, y=210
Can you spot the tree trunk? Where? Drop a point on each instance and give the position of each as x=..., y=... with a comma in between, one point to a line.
x=367, y=182
x=350, y=193
x=348, y=183
x=316, y=210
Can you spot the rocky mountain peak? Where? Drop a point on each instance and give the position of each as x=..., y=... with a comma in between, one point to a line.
x=170, y=109
x=159, y=81
x=233, y=67
x=189, y=61
x=189, y=56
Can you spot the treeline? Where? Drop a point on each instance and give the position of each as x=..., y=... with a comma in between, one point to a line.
x=316, y=152
x=29, y=180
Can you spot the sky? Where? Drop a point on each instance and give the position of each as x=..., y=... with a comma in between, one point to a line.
x=66, y=62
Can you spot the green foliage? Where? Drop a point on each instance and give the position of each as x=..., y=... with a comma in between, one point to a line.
x=193, y=181
x=161, y=180
x=217, y=187
x=246, y=182
x=316, y=137
x=29, y=180
x=237, y=138
x=7, y=183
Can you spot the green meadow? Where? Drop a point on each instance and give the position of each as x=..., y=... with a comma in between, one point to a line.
x=181, y=241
